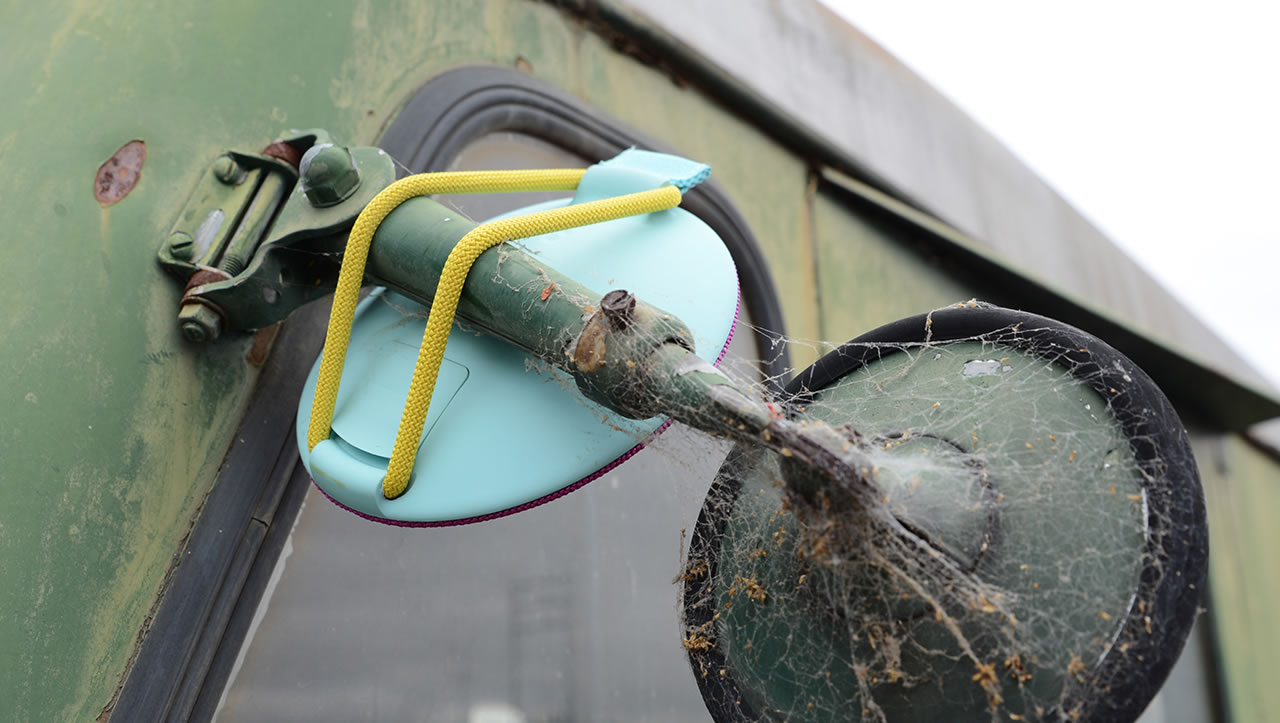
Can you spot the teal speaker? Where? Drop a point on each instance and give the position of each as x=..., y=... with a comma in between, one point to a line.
x=507, y=431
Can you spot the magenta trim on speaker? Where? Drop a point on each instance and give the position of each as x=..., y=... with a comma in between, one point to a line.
x=558, y=493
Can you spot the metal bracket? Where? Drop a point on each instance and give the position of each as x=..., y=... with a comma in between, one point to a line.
x=263, y=233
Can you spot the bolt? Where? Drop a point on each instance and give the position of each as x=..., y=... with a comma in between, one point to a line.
x=619, y=308
x=328, y=175
x=181, y=247
x=227, y=170
x=200, y=323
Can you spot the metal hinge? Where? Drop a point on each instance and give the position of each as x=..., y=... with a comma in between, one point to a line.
x=263, y=233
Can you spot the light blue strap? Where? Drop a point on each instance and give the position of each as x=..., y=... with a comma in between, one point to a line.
x=635, y=170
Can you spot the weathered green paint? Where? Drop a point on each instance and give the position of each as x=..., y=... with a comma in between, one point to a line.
x=112, y=427
x=1243, y=496
x=212, y=196
x=504, y=287
x=869, y=274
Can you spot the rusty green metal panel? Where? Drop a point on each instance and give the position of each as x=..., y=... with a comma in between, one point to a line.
x=111, y=427
x=1240, y=484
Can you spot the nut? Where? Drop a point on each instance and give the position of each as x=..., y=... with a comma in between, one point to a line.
x=328, y=175
x=199, y=322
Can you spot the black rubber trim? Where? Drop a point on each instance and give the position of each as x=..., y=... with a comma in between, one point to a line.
x=198, y=628
x=1179, y=535
x=217, y=668
x=722, y=694
x=462, y=105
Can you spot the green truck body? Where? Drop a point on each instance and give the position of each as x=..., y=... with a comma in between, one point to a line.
x=114, y=429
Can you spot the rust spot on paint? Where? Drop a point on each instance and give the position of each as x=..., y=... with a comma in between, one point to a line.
x=206, y=275
x=284, y=152
x=588, y=353
x=262, y=341
x=117, y=177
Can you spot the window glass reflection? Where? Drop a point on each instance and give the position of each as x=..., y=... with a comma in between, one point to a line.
x=565, y=612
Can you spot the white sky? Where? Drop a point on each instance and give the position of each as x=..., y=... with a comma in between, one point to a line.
x=1160, y=121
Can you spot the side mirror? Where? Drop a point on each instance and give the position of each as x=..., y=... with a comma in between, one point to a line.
x=1036, y=546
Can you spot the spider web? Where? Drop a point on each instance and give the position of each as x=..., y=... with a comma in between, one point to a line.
x=1006, y=559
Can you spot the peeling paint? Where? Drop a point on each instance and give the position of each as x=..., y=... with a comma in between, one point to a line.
x=118, y=175
x=262, y=342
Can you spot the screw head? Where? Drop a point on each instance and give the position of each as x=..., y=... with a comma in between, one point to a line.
x=181, y=246
x=619, y=307
x=328, y=174
x=227, y=170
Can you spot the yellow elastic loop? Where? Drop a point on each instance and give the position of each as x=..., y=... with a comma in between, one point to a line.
x=449, y=289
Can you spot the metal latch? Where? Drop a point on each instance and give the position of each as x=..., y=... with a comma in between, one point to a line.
x=263, y=233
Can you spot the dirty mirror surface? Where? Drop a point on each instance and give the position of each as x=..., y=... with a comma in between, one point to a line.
x=1026, y=541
